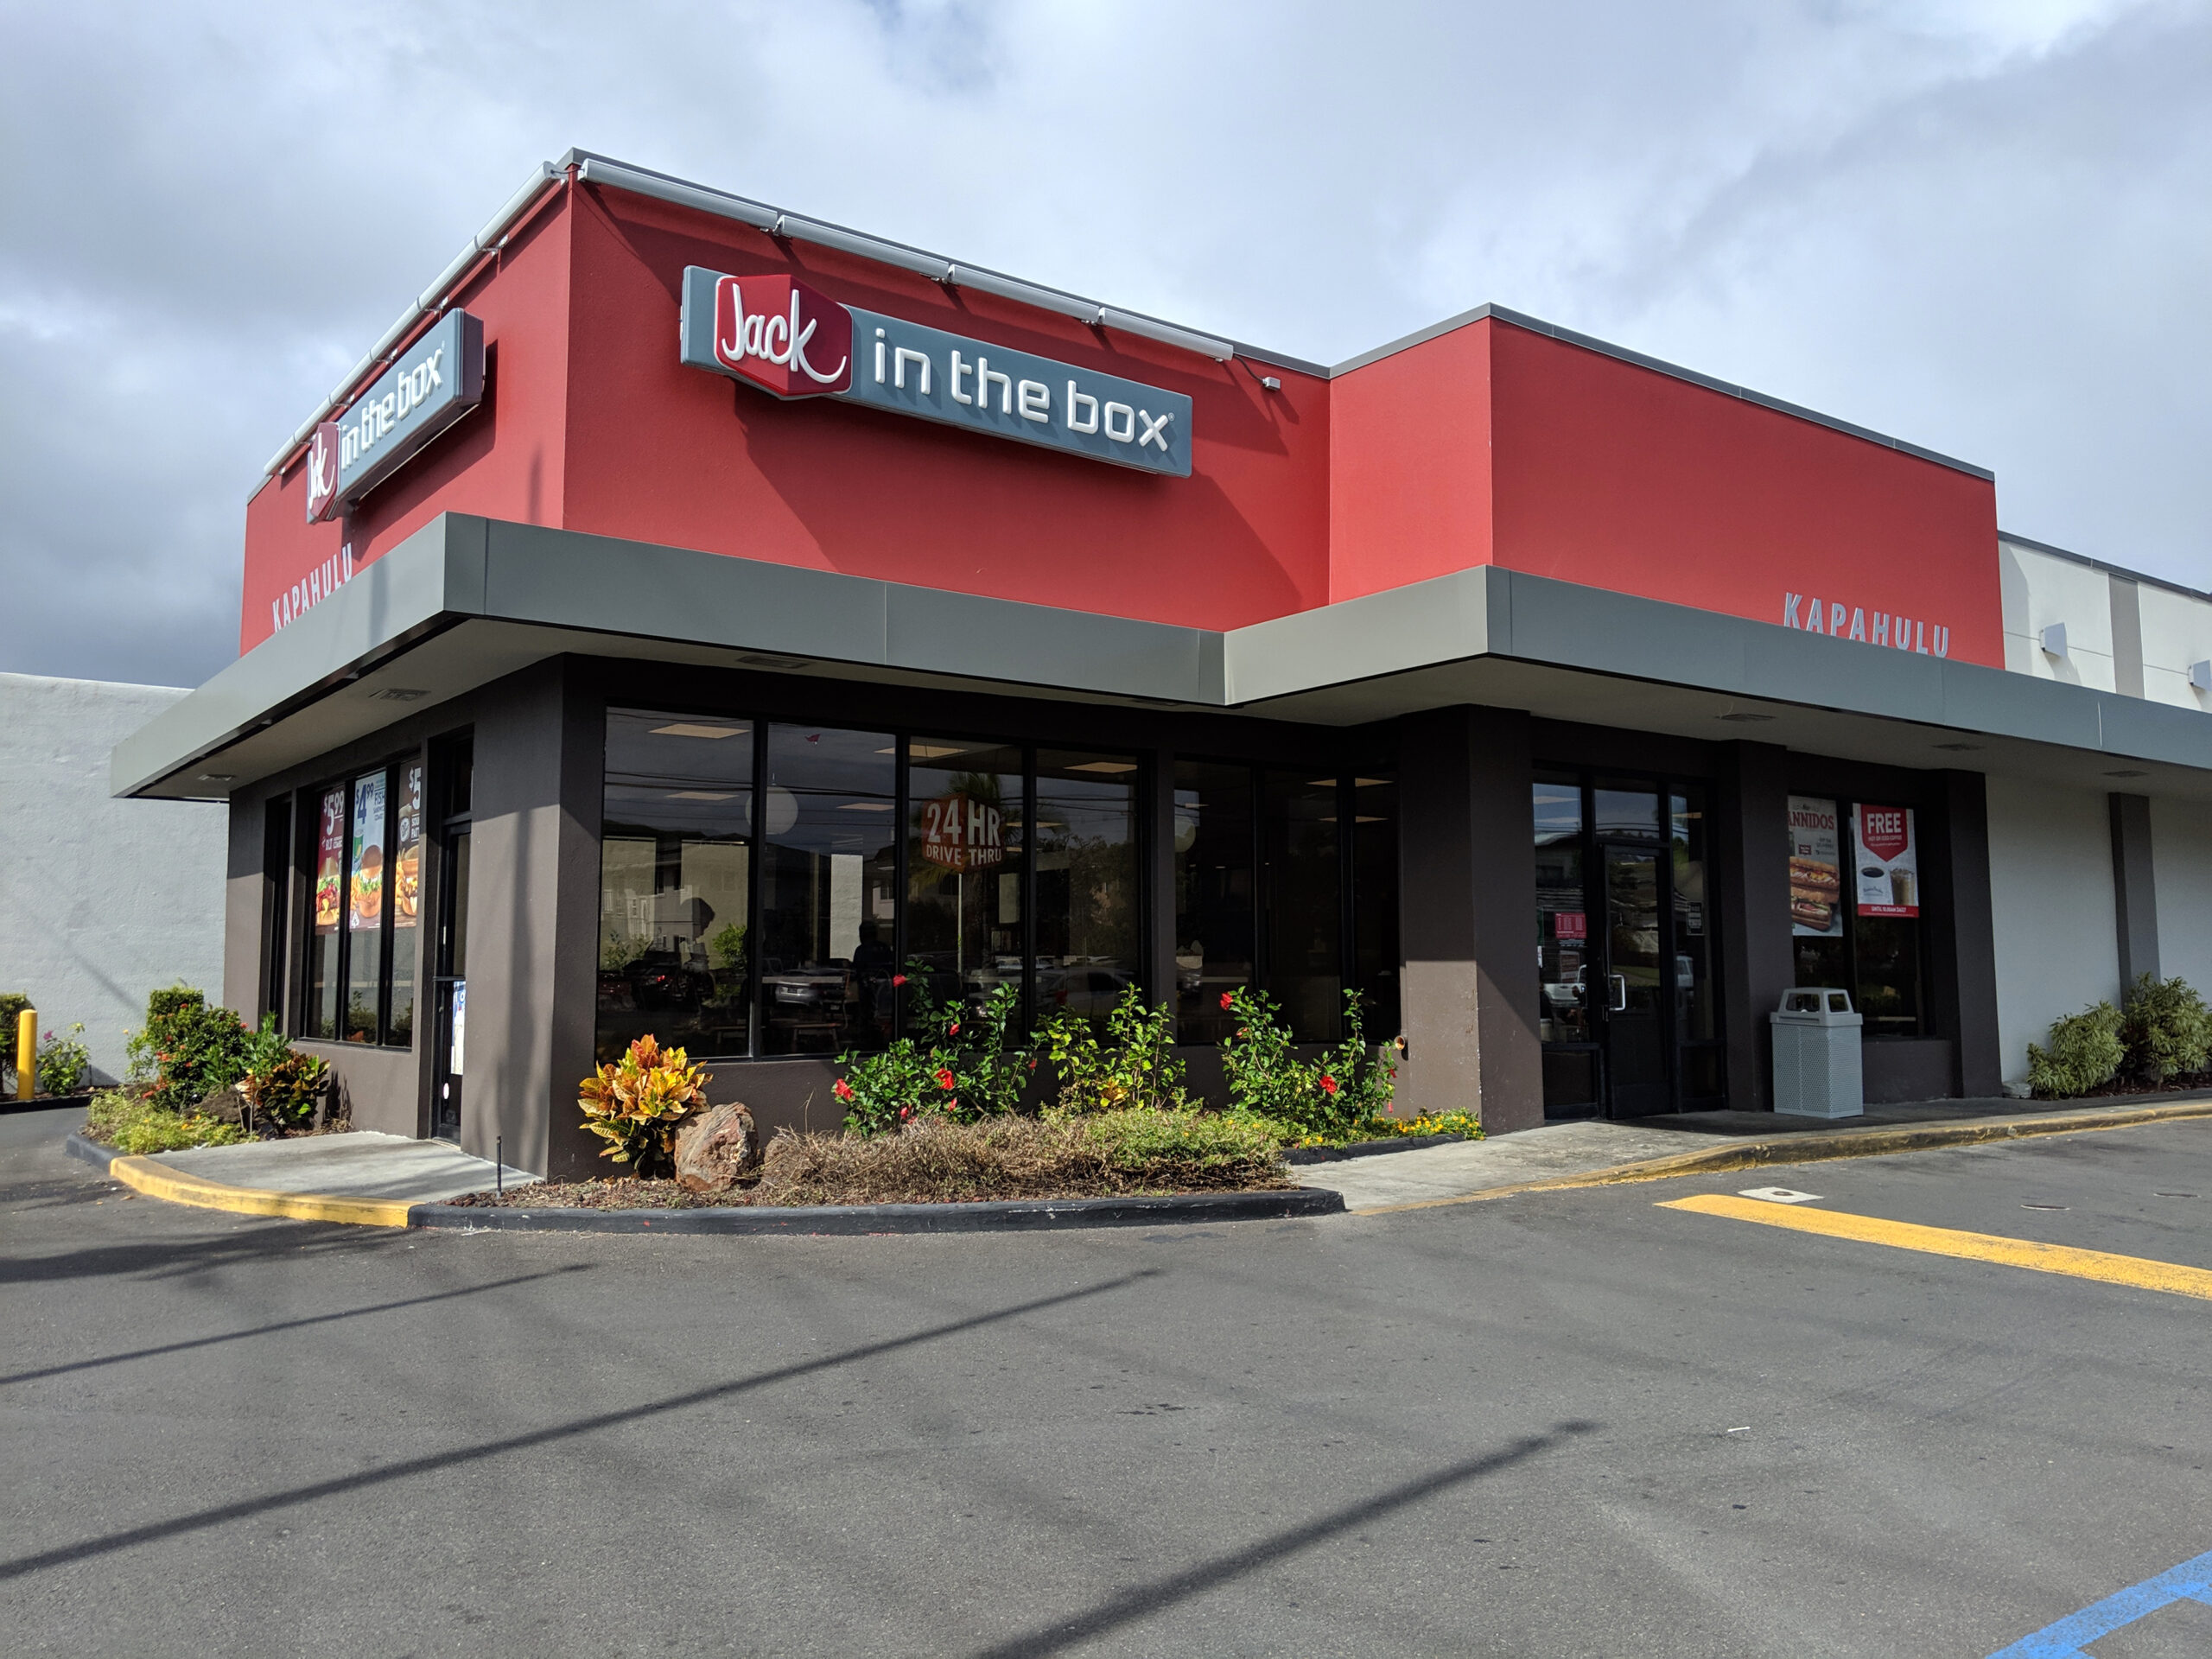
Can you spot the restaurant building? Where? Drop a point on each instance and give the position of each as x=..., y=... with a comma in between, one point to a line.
x=689, y=613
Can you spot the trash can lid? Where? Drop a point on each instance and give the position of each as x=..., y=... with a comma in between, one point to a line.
x=1815, y=1006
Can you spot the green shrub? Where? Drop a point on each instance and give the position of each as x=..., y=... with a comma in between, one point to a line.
x=63, y=1061
x=2165, y=1028
x=635, y=1104
x=1182, y=1149
x=133, y=1125
x=953, y=1063
x=189, y=1048
x=1324, y=1100
x=1134, y=1065
x=2085, y=1053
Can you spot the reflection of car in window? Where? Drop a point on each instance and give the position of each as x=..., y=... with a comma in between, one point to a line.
x=1565, y=993
x=1091, y=990
x=657, y=979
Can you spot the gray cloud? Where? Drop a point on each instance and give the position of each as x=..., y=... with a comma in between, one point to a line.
x=1978, y=225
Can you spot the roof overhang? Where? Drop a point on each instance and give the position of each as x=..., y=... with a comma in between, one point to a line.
x=467, y=601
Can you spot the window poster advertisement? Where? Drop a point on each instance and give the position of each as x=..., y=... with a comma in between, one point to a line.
x=368, y=894
x=407, y=857
x=1887, y=859
x=1815, y=869
x=330, y=862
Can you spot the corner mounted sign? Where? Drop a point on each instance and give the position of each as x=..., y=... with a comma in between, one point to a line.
x=790, y=341
x=436, y=381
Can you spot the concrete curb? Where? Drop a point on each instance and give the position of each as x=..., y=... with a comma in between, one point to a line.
x=157, y=1180
x=999, y=1216
x=1367, y=1149
x=1821, y=1148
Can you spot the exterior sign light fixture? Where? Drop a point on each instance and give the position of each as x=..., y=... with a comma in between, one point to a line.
x=790, y=341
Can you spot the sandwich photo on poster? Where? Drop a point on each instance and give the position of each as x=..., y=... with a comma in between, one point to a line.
x=366, y=897
x=330, y=863
x=1815, y=869
x=1886, y=856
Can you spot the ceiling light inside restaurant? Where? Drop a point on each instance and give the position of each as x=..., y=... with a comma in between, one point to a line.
x=865, y=806
x=701, y=795
x=1103, y=766
x=692, y=728
x=1747, y=716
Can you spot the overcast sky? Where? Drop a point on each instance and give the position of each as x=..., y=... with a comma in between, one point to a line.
x=1983, y=225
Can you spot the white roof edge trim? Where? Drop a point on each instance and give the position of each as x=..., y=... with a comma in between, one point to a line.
x=937, y=267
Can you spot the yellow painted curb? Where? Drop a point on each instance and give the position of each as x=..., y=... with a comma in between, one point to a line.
x=1822, y=1148
x=157, y=1180
x=2141, y=1272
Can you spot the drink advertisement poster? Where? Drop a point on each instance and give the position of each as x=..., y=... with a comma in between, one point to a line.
x=407, y=854
x=367, y=906
x=1815, y=869
x=1888, y=860
x=330, y=862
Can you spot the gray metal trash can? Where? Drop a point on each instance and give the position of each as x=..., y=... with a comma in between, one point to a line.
x=1816, y=1065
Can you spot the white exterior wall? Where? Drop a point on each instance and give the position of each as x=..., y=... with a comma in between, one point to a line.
x=2040, y=588
x=101, y=900
x=2177, y=631
x=2051, y=900
x=2181, y=870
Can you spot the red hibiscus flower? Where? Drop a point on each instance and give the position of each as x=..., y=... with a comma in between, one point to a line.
x=944, y=1078
x=842, y=1089
x=905, y=1112
x=1328, y=1085
x=953, y=1030
x=898, y=979
x=1227, y=998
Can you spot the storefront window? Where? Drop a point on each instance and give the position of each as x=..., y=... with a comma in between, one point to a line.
x=1304, y=969
x=829, y=889
x=675, y=867
x=1213, y=895
x=364, y=909
x=325, y=939
x=1854, y=907
x=1375, y=902
x=1088, y=896
x=967, y=852
x=406, y=885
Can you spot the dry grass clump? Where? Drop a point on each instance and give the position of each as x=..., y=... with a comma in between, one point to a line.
x=939, y=1162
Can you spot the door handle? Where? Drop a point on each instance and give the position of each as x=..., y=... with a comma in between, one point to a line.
x=1619, y=983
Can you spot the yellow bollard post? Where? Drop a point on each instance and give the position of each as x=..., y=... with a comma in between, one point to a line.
x=27, y=1054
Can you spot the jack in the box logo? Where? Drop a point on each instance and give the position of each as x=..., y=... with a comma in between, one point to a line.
x=322, y=472
x=783, y=336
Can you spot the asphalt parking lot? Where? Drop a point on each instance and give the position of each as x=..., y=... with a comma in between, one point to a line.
x=1573, y=1423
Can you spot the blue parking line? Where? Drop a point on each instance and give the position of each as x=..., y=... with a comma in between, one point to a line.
x=2190, y=1581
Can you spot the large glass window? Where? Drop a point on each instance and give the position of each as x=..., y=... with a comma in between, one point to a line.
x=406, y=885
x=829, y=889
x=967, y=857
x=1562, y=917
x=1088, y=896
x=674, y=885
x=358, y=936
x=1854, y=910
x=1213, y=895
x=325, y=938
x=1305, y=915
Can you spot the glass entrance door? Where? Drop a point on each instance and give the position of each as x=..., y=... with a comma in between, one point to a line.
x=1635, y=1044
x=1625, y=947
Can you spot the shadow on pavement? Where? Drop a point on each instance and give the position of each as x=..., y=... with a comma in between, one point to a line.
x=172, y=1259
x=288, y=1325
x=199, y=1520
x=1143, y=1600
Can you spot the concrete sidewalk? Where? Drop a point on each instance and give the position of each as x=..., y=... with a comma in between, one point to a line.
x=362, y=1165
x=1593, y=1151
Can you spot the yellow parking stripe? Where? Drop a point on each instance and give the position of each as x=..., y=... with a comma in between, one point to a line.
x=2110, y=1269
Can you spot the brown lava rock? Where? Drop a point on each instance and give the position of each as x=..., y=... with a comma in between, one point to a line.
x=715, y=1148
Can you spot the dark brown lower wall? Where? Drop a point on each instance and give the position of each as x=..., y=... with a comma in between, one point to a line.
x=381, y=1088
x=1907, y=1068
